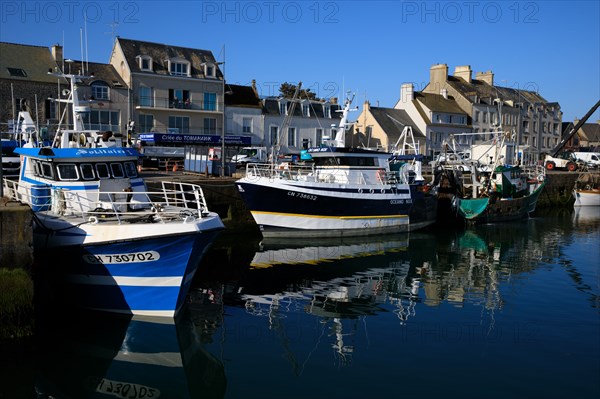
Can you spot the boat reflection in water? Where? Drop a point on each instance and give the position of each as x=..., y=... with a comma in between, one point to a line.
x=124, y=357
x=344, y=281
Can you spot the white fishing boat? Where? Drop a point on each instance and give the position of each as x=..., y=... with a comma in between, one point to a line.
x=114, y=244
x=337, y=191
x=587, y=189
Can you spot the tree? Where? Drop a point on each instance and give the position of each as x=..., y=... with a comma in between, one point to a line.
x=287, y=90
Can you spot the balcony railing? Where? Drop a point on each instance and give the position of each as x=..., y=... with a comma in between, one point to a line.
x=170, y=103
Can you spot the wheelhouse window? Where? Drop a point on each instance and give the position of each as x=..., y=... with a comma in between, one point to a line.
x=117, y=170
x=100, y=91
x=102, y=171
x=87, y=171
x=67, y=171
x=45, y=170
x=130, y=169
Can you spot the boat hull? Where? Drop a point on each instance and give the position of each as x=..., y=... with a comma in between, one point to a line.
x=281, y=208
x=141, y=277
x=587, y=197
x=499, y=209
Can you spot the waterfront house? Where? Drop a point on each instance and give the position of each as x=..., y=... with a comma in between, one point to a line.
x=172, y=89
x=438, y=115
x=309, y=122
x=244, y=113
x=535, y=122
x=380, y=127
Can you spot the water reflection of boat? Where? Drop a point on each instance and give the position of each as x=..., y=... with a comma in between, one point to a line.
x=139, y=357
x=274, y=251
x=587, y=214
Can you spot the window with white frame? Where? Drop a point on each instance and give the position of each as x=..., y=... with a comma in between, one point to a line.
x=326, y=111
x=102, y=120
x=146, y=123
x=146, y=99
x=283, y=108
x=100, y=90
x=319, y=136
x=305, y=109
x=179, y=68
x=182, y=123
x=210, y=125
x=145, y=63
x=210, y=101
x=274, y=135
x=476, y=116
x=291, y=136
x=246, y=125
x=209, y=70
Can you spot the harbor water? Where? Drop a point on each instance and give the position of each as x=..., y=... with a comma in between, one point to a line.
x=492, y=311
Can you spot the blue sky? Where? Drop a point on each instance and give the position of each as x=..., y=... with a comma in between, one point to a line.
x=366, y=47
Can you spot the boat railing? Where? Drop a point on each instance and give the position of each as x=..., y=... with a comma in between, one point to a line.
x=283, y=171
x=175, y=201
x=534, y=172
x=328, y=175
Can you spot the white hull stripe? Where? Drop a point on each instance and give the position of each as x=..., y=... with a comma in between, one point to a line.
x=329, y=217
x=126, y=281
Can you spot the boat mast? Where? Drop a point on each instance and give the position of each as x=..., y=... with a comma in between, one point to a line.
x=340, y=136
x=73, y=99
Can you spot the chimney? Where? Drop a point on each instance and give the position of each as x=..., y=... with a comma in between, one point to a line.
x=254, y=87
x=487, y=77
x=333, y=100
x=407, y=92
x=367, y=106
x=438, y=74
x=464, y=72
x=57, y=54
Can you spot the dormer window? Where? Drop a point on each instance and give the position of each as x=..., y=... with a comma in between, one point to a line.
x=305, y=109
x=283, y=108
x=100, y=90
x=326, y=111
x=145, y=63
x=209, y=70
x=179, y=67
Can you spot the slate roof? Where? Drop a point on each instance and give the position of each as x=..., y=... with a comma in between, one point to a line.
x=161, y=52
x=487, y=93
x=241, y=96
x=437, y=103
x=590, y=131
x=102, y=72
x=35, y=61
x=393, y=121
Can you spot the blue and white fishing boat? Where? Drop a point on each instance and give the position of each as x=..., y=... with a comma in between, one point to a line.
x=341, y=191
x=117, y=246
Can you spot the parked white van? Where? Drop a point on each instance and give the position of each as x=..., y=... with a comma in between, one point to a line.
x=592, y=159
